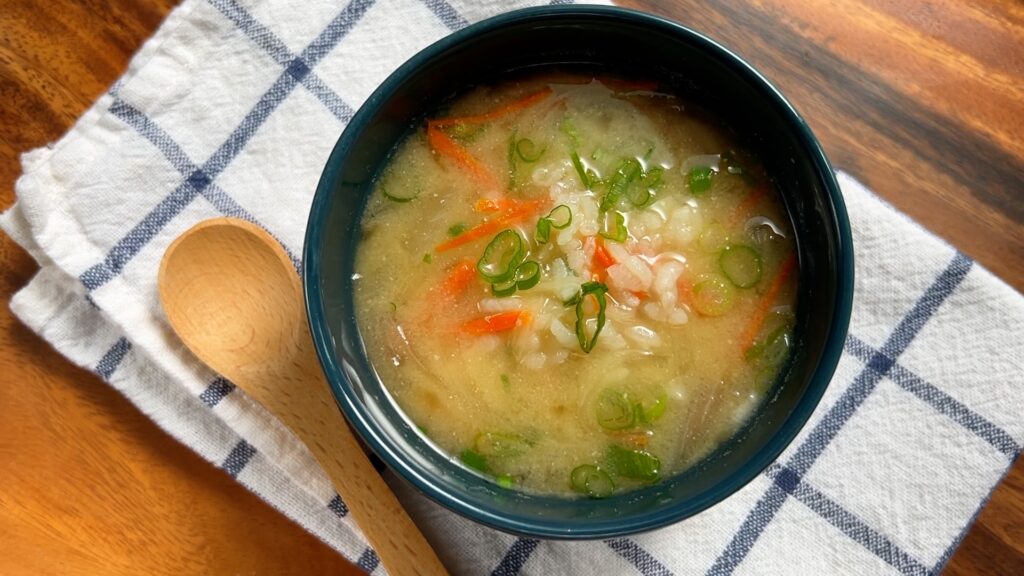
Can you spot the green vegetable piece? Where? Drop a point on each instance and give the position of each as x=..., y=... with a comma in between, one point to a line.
x=500, y=445
x=713, y=296
x=528, y=151
x=427, y=258
x=527, y=275
x=773, y=349
x=700, y=180
x=506, y=384
x=505, y=480
x=627, y=171
x=583, y=173
x=543, y=233
x=614, y=226
x=591, y=481
x=615, y=410
x=456, y=229
x=474, y=460
x=648, y=412
x=765, y=379
x=741, y=264
x=504, y=289
x=400, y=194
x=598, y=291
x=635, y=464
x=501, y=257
x=560, y=217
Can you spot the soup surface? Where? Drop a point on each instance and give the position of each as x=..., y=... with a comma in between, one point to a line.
x=575, y=285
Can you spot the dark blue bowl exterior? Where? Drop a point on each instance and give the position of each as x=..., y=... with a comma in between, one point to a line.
x=626, y=42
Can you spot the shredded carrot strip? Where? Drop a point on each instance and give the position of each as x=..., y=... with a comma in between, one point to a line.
x=748, y=203
x=446, y=146
x=602, y=259
x=459, y=278
x=521, y=212
x=634, y=439
x=499, y=322
x=499, y=205
x=757, y=320
x=498, y=112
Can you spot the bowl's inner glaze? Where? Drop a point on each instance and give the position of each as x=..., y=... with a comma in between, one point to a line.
x=622, y=43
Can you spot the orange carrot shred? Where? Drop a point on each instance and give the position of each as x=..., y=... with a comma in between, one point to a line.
x=757, y=320
x=459, y=278
x=499, y=322
x=522, y=211
x=498, y=112
x=446, y=146
x=602, y=259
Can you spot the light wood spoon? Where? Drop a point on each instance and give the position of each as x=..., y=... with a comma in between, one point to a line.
x=232, y=295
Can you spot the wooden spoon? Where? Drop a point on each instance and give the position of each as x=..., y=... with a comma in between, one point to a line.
x=232, y=295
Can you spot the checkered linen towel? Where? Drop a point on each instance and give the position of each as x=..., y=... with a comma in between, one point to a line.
x=233, y=107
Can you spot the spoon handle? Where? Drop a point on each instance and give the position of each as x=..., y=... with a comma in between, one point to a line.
x=297, y=394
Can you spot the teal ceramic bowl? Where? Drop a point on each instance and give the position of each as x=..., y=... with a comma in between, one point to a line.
x=617, y=41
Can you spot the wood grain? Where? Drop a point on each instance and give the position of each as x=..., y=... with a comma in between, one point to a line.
x=919, y=99
x=231, y=294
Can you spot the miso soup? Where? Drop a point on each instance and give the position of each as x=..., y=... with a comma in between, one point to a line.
x=575, y=285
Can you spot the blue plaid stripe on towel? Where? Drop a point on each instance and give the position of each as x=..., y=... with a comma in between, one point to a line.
x=232, y=108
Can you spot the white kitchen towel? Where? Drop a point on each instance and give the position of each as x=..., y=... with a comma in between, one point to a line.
x=232, y=108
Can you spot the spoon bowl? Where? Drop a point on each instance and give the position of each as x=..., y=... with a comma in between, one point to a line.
x=231, y=294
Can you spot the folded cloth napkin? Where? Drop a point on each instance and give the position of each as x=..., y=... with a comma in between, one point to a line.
x=232, y=108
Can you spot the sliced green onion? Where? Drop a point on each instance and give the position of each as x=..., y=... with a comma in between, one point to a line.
x=504, y=289
x=505, y=480
x=560, y=217
x=614, y=226
x=765, y=378
x=527, y=275
x=653, y=177
x=650, y=411
x=598, y=291
x=741, y=264
x=474, y=460
x=592, y=481
x=627, y=171
x=580, y=169
x=528, y=151
x=506, y=384
x=456, y=229
x=500, y=445
x=713, y=296
x=427, y=258
x=543, y=233
x=614, y=410
x=700, y=180
x=501, y=257
x=400, y=194
x=635, y=464
x=569, y=129
x=771, y=350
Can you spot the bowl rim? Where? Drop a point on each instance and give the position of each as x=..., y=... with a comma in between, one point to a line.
x=358, y=417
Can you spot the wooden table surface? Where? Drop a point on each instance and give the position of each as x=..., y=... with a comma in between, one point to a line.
x=920, y=99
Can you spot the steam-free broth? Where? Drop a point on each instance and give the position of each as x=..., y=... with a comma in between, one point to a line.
x=575, y=285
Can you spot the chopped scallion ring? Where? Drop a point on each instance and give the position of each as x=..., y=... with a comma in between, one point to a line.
x=614, y=226
x=399, y=194
x=614, y=410
x=741, y=264
x=560, y=217
x=700, y=180
x=592, y=481
x=528, y=151
x=527, y=275
x=501, y=257
x=504, y=289
x=598, y=291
